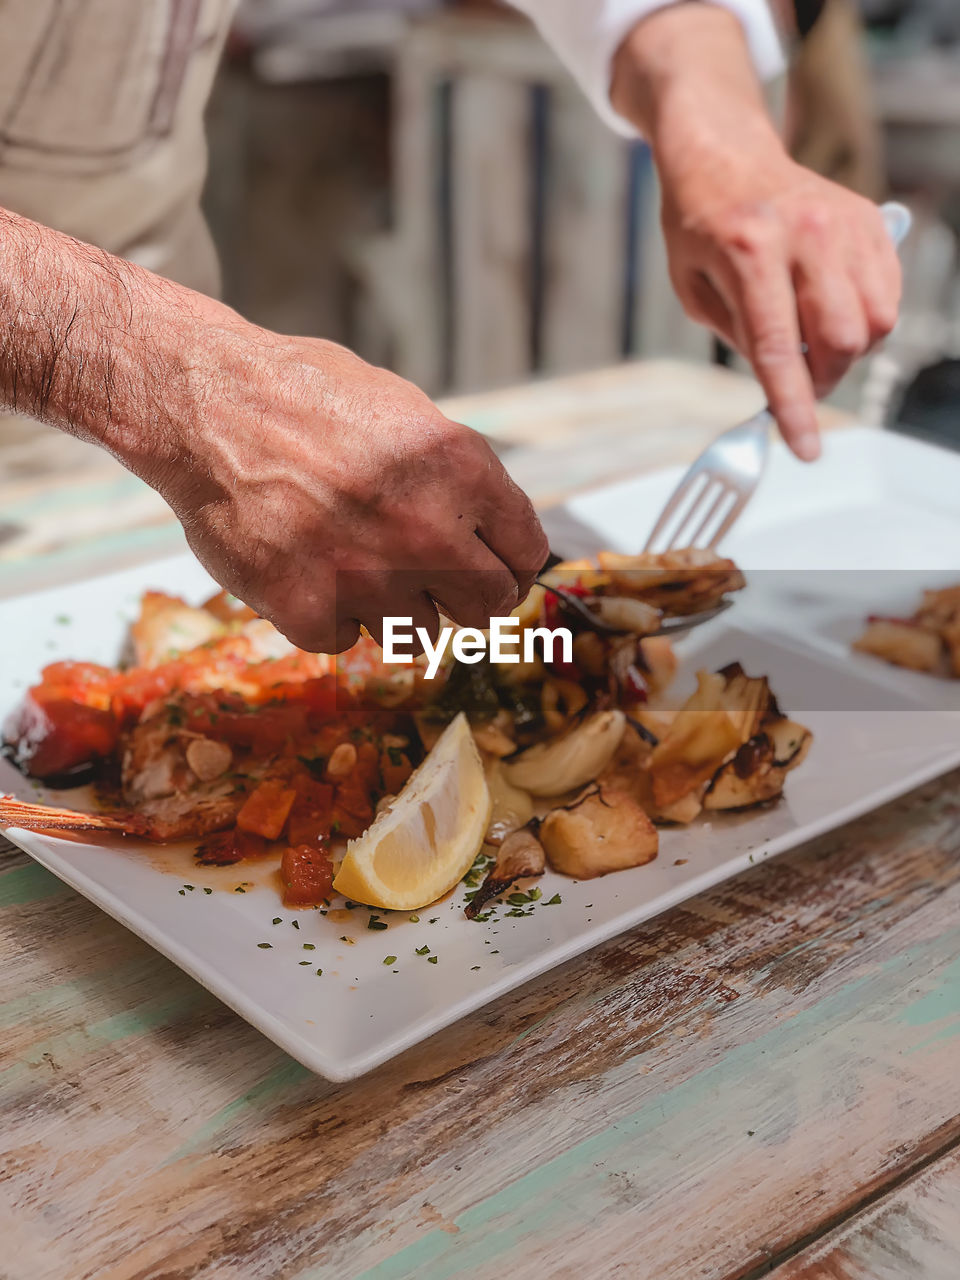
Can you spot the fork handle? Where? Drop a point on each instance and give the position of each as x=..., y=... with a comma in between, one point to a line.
x=898, y=220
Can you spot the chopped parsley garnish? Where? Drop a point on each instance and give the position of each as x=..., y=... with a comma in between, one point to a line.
x=264, y=946
x=374, y=923
x=206, y=890
x=319, y=973
x=555, y=901
x=309, y=946
x=432, y=959
x=475, y=875
x=414, y=919
x=295, y=923
x=390, y=960
x=468, y=687
x=422, y=951
x=276, y=920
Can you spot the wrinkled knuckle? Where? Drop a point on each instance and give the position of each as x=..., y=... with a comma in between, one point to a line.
x=424, y=542
x=429, y=623
x=774, y=349
x=453, y=441
x=845, y=345
x=539, y=545
x=882, y=319
x=506, y=601
x=497, y=598
x=753, y=235
x=814, y=221
x=470, y=613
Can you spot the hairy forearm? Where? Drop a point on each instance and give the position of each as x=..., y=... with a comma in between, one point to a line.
x=98, y=346
x=684, y=63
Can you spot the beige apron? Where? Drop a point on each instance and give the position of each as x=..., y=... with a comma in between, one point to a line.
x=101, y=124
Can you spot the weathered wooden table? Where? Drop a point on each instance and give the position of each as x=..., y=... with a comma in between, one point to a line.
x=764, y=1081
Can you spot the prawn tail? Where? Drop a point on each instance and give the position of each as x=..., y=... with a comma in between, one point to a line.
x=41, y=817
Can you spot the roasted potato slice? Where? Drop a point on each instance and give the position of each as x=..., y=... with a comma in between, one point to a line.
x=746, y=699
x=626, y=770
x=952, y=638
x=659, y=662
x=791, y=741
x=759, y=769
x=940, y=609
x=750, y=778
x=626, y=614
x=682, y=811
x=904, y=643
x=605, y=830
x=729, y=712
x=679, y=582
x=700, y=738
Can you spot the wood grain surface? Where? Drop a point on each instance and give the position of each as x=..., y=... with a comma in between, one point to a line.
x=697, y=1098
x=914, y=1230
x=763, y=1081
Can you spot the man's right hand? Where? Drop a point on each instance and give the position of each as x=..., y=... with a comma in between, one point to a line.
x=327, y=493
x=323, y=492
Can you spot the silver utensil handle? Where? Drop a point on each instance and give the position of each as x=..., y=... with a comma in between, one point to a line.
x=898, y=220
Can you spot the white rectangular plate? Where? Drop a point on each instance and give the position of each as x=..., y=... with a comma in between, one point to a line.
x=875, y=502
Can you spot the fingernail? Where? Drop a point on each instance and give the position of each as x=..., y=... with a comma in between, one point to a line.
x=807, y=446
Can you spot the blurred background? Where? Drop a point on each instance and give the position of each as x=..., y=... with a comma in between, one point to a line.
x=422, y=181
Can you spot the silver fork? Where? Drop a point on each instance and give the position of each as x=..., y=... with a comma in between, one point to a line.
x=719, y=483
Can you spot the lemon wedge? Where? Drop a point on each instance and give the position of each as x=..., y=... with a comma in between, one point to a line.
x=418, y=849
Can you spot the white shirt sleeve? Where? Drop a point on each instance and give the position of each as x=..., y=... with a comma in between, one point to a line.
x=587, y=33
